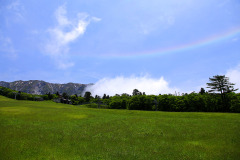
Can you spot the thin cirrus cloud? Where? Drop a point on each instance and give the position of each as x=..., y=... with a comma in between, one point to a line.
x=65, y=32
x=17, y=10
x=6, y=46
x=121, y=84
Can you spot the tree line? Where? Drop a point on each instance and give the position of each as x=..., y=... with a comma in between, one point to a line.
x=219, y=98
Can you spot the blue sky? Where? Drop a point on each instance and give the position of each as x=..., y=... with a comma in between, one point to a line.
x=155, y=46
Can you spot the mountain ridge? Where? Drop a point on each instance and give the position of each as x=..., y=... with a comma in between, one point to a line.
x=41, y=87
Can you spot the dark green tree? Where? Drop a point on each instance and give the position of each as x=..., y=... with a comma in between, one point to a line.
x=136, y=92
x=50, y=96
x=87, y=96
x=220, y=83
x=80, y=100
x=104, y=96
x=74, y=99
x=202, y=91
x=97, y=97
x=57, y=94
x=65, y=95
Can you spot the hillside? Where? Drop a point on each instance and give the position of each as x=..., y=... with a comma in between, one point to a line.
x=42, y=87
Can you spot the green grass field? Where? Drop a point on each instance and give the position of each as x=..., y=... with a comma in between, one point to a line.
x=47, y=130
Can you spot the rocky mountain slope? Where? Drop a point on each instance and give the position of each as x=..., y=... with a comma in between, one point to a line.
x=42, y=87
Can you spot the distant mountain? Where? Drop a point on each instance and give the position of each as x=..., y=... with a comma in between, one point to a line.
x=42, y=87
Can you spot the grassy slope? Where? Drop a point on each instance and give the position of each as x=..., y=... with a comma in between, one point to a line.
x=46, y=130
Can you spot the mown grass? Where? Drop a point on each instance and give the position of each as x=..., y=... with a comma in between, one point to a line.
x=47, y=130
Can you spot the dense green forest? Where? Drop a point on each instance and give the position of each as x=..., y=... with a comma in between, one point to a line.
x=220, y=98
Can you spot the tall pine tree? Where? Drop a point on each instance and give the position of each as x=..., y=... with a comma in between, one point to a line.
x=220, y=83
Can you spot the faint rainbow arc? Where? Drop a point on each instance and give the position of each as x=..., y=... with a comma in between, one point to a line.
x=187, y=46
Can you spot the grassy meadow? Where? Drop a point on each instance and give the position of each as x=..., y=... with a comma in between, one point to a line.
x=47, y=130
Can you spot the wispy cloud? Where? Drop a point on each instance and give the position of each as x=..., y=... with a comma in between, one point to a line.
x=7, y=48
x=154, y=23
x=223, y=3
x=119, y=85
x=65, y=32
x=17, y=9
x=234, y=75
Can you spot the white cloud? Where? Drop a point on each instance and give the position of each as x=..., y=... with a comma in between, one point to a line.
x=119, y=85
x=66, y=32
x=60, y=15
x=96, y=19
x=234, y=76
